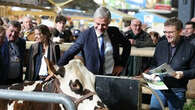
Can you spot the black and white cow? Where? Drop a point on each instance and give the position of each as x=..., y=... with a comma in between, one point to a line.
x=77, y=83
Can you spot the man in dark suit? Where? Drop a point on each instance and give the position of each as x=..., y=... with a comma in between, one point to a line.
x=99, y=46
x=12, y=53
x=2, y=66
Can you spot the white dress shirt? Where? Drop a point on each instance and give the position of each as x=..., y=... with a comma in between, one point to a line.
x=108, y=53
x=43, y=68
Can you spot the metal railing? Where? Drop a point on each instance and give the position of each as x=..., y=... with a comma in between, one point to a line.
x=38, y=97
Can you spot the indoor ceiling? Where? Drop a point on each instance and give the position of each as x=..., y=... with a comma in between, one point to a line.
x=86, y=5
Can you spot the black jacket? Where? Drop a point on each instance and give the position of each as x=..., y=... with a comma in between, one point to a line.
x=191, y=39
x=182, y=60
x=5, y=59
x=142, y=39
x=66, y=35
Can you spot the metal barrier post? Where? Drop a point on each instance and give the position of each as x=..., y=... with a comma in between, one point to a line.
x=38, y=96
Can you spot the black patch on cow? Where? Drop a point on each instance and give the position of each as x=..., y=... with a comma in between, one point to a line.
x=50, y=87
x=38, y=87
x=95, y=108
x=100, y=106
x=87, y=91
x=76, y=86
x=17, y=87
x=20, y=86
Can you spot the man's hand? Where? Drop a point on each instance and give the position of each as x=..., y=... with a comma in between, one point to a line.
x=80, y=58
x=178, y=74
x=49, y=77
x=117, y=70
x=153, y=76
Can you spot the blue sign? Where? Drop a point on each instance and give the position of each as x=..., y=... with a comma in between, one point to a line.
x=149, y=18
x=139, y=3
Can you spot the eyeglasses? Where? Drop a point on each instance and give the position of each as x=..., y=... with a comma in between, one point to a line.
x=136, y=25
x=188, y=28
x=169, y=32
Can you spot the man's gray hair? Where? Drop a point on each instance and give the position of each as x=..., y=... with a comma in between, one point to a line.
x=27, y=17
x=102, y=12
x=15, y=23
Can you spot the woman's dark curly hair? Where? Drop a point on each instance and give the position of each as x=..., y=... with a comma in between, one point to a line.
x=43, y=29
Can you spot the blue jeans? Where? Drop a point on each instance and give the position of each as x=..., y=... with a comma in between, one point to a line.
x=174, y=100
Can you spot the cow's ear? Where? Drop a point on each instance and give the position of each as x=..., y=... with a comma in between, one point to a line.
x=76, y=86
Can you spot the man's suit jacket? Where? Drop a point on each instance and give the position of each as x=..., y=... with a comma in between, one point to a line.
x=21, y=43
x=88, y=45
x=3, y=76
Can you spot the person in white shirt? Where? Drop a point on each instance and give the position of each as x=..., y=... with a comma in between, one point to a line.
x=37, y=68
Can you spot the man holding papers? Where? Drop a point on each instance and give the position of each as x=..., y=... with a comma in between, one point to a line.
x=180, y=55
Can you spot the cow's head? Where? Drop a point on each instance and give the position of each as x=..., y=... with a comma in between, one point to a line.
x=78, y=82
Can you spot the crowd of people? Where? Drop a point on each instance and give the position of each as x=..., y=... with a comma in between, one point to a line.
x=98, y=48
